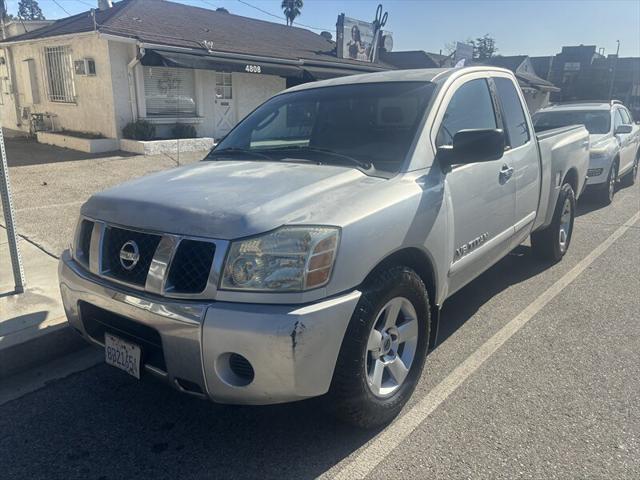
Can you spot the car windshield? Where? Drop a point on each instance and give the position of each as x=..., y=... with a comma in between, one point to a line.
x=596, y=121
x=368, y=126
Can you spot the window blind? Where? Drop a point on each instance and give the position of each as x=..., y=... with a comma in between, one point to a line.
x=169, y=91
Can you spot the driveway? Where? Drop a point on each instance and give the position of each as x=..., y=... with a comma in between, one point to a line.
x=47, y=197
x=23, y=151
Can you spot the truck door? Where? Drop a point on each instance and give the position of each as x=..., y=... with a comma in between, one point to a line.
x=482, y=195
x=521, y=154
x=627, y=140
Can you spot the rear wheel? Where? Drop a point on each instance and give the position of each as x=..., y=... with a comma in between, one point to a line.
x=552, y=243
x=383, y=351
x=608, y=190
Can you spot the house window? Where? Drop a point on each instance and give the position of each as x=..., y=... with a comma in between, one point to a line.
x=169, y=92
x=59, y=70
x=223, y=86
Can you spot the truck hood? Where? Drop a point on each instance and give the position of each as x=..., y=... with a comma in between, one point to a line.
x=230, y=199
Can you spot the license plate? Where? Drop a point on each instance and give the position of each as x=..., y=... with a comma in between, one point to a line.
x=122, y=354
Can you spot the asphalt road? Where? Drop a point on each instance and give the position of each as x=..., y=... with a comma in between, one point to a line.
x=559, y=399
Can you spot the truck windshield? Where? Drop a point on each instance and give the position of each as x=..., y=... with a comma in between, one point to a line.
x=596, y=121
x=368, y=126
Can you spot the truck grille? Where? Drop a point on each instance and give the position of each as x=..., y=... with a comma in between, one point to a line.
x=84, y=242
x=144, y=244
x=191, y=266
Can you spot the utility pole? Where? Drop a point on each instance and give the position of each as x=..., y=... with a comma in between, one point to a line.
x=9, y=219
x=613, y=72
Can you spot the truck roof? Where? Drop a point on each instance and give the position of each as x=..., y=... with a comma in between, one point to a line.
x=577, y=106
x=436, y=75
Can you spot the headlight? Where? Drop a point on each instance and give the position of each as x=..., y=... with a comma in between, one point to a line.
x=598, y=153
x=285, y=260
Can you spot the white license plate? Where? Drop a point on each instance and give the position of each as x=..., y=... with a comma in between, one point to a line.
x=122, y=354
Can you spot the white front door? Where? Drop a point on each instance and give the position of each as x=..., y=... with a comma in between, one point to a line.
x=225, y=112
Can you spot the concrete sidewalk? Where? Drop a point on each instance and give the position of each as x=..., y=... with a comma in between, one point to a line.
x=33, y=326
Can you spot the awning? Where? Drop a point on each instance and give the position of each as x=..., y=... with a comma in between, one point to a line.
x=167, y=58
x=323, y=73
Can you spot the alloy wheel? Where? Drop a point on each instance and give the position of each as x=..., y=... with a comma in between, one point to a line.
x=391, y=347
x=565, y=225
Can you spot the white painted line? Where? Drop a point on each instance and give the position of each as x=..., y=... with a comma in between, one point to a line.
x=381, y=446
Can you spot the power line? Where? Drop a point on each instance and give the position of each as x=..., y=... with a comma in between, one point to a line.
x=279, y=16
x=63, y=9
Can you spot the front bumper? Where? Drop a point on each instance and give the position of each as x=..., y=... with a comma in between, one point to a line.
x=291, y=348
x=598, y=170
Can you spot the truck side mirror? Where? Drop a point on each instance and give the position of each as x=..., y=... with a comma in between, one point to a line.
x=623, y=129
x=473, y=145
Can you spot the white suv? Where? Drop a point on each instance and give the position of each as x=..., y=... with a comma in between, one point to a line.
x=615, y=140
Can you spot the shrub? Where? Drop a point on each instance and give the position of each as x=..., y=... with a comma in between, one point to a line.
x=183, y=130
x=139, y=130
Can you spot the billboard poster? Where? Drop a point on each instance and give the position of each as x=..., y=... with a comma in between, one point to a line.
x=355, y=39
x=464, y=51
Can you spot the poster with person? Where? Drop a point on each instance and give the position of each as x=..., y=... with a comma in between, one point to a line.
x=357, y=39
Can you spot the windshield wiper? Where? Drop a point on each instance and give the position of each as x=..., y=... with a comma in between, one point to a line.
x=235, y=150
x=355, y=161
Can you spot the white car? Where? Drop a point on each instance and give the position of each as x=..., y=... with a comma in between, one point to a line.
x=615, y=141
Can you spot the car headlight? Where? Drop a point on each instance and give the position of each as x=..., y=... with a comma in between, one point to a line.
x=598, y=153
x=288, y=259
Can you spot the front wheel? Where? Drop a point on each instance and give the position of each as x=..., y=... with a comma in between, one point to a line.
x=383, y=351
x=552, y=243
x=630, y=178
x=607, y=191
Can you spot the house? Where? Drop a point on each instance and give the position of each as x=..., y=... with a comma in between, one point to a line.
x=13, y=28
x=536, y=90
x=411, y=58
x=161, y=61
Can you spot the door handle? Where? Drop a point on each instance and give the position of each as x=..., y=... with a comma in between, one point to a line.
x=505, y=172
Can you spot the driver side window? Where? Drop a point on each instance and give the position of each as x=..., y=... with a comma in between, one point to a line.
x=470, y=107
x=617, y=120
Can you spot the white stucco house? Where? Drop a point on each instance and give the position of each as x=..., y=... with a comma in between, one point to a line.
x=156, y=60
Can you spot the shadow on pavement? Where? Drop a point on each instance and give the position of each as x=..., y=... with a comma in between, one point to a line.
x=23, y=151
x=515, y=268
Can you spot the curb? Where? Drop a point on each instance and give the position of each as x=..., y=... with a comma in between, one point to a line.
x=50, y=344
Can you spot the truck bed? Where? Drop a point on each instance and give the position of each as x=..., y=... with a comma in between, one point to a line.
x=560, y=148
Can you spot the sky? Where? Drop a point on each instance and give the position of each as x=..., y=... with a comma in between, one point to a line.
x=531, y=27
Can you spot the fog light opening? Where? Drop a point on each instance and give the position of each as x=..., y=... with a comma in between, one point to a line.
x=234, y=369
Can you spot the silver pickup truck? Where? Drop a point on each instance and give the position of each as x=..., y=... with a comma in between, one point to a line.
x=310, y=253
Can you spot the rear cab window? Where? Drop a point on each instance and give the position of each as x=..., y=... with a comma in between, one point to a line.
x=514, y=118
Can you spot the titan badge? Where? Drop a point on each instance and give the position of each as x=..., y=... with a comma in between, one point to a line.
x=470, y=246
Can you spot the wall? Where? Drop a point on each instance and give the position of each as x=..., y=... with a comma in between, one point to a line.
x=249, y=91
x=93, y=110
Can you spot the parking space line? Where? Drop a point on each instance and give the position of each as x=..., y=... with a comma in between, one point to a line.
x=380, y=447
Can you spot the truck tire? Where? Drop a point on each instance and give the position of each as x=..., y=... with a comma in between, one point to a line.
x=608, y=190
x=552, y=243
x=383, y=350
x=630, y=178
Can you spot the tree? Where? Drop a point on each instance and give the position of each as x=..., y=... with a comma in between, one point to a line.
x=29, y=10
x=484, y=47
x=292, y=9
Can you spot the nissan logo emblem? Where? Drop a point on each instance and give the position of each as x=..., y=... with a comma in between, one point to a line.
x=129, y=255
